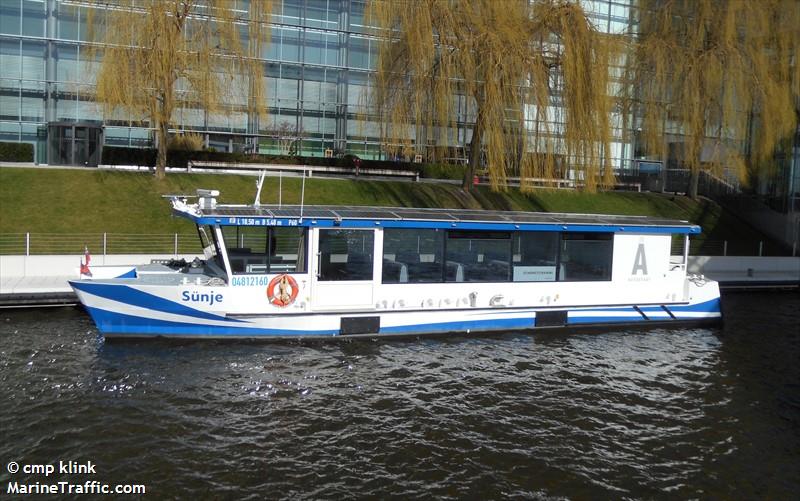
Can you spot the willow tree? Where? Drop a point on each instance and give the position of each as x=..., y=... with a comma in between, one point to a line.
x=723, y=75
x=515, y=64
x=159, y=55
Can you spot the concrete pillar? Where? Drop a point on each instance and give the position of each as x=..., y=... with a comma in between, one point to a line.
x=340, y=139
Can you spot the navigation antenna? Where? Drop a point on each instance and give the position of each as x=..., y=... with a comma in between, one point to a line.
x=259, y=184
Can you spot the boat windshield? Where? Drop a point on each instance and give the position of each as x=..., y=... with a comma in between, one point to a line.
x=210, y=250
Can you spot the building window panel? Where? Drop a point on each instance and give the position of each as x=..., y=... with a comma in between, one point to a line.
x=141, y=138
x=66, y=60
x=32, y=104
x=33, y=60
x=116, y=136
x=86, y=106
x=272, y=52
x=9, y=100
x=314, y=49
x=286, y=91
x=290, y=44
x=68, y=23
x=10, y=59
x=328, y=126
x=358, y=56
x=8, y=131
x=331, y=49
x=66, y=106
x=10, y=15
x=33, y=14
x=357, y=9
x=318, y=14
x=192, y=118
x=292, y=10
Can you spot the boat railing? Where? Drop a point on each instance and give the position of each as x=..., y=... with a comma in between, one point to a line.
x=26, y=244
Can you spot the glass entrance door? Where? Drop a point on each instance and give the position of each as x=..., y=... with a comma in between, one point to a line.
x=345, y=269
x=74, y=144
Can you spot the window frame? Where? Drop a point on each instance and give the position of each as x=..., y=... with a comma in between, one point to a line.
x=558, y=239
x=561, y=237
x=610, y=239
x=301, y=265
x=319, y=273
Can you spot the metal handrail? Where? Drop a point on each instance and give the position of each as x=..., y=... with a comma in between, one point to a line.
x=28, y=244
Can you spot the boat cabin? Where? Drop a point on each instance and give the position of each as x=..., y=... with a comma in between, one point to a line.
x=379, y=253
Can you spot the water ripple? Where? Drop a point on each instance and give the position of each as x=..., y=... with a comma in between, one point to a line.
x=634, y=414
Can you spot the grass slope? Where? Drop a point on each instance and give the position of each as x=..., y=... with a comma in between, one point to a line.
x=90, y=201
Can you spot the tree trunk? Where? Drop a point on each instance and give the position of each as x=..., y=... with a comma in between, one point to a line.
x=694, y=182
x=474, y=153
x=161, y=159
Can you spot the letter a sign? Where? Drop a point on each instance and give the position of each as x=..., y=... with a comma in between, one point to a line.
x=640, y=262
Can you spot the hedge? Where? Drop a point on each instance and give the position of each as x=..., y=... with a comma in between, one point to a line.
x=16, y=152
x=444, y=171
x=114, y=155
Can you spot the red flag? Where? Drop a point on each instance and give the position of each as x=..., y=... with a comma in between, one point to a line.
x=85, y=266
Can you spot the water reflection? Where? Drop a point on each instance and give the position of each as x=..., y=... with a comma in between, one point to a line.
x=688, y=412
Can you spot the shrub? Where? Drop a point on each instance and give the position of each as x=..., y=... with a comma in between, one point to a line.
x=444, y=171
x=16, y=152
x=186, y=142
x=113, y=155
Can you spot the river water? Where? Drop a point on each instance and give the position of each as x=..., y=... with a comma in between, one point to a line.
x=687, y=413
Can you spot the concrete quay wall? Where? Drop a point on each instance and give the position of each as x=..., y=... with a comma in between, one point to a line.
x=48, y=274
x=24, y=278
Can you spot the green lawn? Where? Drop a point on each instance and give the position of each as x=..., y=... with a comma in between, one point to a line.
x=95, y=201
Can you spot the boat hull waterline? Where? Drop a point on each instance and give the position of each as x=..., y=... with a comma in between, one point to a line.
x=124, y=311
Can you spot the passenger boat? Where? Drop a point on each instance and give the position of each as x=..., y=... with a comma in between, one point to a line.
x=314, y=271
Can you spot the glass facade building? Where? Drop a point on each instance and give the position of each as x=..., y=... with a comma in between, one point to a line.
x=318, y=69
x=317, y=66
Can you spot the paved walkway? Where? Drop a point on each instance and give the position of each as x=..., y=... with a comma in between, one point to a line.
x=32, y=285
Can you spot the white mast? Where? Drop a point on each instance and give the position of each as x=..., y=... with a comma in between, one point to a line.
x=259, y=184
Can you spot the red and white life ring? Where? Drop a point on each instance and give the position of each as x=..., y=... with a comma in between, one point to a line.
x=282, y=290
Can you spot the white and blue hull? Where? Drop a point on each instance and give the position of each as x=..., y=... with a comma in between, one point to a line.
x=128, y=310
x=269, y=272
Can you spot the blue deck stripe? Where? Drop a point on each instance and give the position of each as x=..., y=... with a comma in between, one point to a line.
x=442, y=224
x=134, y=297
x=711, y=305
x=120, y=323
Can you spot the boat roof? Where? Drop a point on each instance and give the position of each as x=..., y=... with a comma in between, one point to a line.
x=404, y=217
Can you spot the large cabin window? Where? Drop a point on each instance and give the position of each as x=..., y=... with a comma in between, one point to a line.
x=535, y=256
x=478, y=256
x=412, y=255
x=585, y=257
x=287, y=250
x=346, y=254
x=261, y=250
